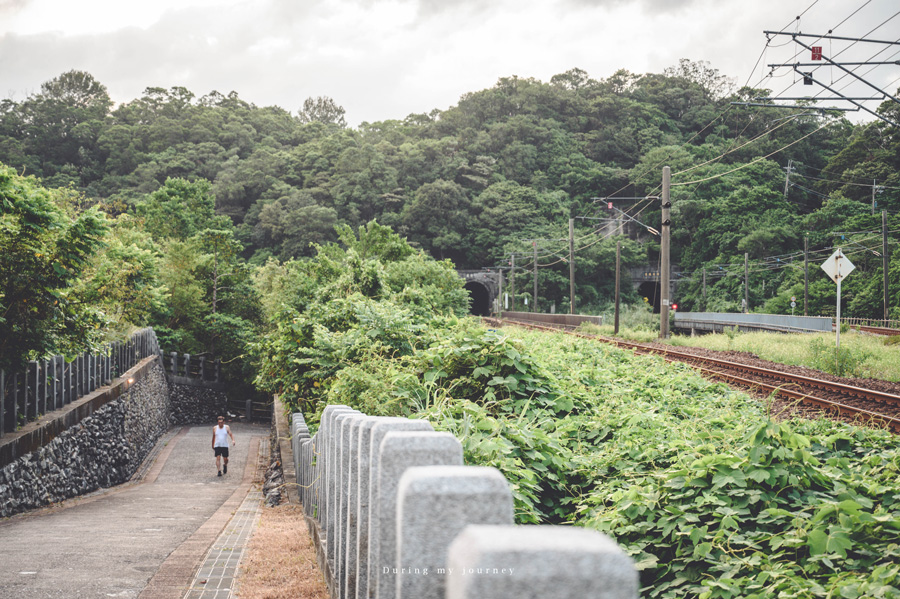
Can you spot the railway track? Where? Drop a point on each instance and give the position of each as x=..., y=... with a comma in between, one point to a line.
x=876, y=330
x=850, y=403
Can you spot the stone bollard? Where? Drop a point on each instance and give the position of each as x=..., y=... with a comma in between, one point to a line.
x=323, y=459
x=538, y=562
x=434, y=504
x=332, y=497
x=399, y=451
x=314, y=459
x=371, y=434
x=304, y=476
x=321, y=451
x=350, y=528
x=346, y=487
x=299, y=432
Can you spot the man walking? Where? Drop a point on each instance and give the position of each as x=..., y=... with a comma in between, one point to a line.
x=221, y=432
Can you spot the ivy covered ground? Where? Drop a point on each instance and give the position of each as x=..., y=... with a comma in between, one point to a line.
x=711, y=496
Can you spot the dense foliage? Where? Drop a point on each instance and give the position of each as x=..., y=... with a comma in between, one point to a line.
x=505, y=166
x=371, y=297
x=709, y=494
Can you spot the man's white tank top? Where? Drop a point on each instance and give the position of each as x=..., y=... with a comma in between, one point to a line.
x=221, y=436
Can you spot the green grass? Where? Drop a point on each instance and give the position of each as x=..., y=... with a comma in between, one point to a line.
x=863, y=355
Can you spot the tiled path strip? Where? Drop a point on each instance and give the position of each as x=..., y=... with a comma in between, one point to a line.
x=173, y=580
x=216, y=577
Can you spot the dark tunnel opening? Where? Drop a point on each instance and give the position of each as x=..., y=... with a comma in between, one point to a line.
x=650, y=291
x=479, y=299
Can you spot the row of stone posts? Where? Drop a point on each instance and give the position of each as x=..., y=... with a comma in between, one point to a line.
x=396, y=515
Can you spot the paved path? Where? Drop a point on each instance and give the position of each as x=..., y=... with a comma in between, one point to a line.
x=144, y=539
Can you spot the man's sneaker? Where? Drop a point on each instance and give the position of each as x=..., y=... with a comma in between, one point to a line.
x=225, y=469
x=220, y=473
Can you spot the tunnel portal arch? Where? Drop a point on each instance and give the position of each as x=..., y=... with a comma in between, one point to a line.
x=479, y=299
x=484, y=289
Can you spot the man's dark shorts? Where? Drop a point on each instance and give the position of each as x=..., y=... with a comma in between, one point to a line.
x=220, y=451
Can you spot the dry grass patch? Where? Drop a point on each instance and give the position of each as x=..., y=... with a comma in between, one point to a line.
x=280, y=560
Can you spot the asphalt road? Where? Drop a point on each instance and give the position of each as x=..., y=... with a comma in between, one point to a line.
x=111, y=543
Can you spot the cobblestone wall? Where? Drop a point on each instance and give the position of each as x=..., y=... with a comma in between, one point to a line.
x=101, y=450
x=196, y=404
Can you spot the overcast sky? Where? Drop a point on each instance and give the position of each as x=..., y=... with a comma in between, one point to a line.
x=386, y=59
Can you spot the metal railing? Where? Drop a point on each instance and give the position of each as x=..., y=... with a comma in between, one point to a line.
x=50, y=384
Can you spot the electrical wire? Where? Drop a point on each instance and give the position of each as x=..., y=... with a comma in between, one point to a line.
x=710, y=178
x=843, y=182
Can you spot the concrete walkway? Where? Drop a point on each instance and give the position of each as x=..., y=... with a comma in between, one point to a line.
x=147, y=538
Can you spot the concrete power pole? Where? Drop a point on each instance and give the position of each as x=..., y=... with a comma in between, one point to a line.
x=873, y=195
x=534, y=308
x=571, y=266
x=512, y=283
x=746, y=283
x=806, y=276
x=884, y=260
x=500, y=291
x=787, y=179
x=704, y=288
x=664, y=255
x=618, y=268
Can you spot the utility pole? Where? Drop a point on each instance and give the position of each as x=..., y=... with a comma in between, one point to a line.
x=746, y=283
x=534, y=308
x=884, y=260
x=512, y=283
x=571, y=266
x=787, y=179
x=873, y=195
x=704, y=288
x=500, y=292
x=664, y=255
x=806, y=275
x=618, y=268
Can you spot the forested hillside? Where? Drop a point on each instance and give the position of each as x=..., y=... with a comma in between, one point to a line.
x=198, y=191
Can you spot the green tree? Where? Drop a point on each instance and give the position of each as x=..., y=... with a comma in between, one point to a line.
x=322, y=109
x=438, y=219
x=43, y=251
x=180, y=209
x=122, y=279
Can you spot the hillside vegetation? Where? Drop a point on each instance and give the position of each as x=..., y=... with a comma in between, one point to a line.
x=505, y=166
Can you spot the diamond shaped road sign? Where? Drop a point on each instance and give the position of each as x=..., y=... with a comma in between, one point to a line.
x=838, y=266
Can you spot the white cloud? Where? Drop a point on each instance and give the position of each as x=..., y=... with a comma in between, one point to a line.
x=384, y=59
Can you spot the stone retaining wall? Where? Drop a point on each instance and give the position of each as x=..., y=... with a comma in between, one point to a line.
x=395, y=514
x=96, y=442
x=196, y=403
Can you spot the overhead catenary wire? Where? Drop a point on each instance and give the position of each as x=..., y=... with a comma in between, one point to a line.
x=751, y=163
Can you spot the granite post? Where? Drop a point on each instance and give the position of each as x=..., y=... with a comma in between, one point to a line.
x=434, y=504
x=371, y=436
x=399, y=451
x=538, y=562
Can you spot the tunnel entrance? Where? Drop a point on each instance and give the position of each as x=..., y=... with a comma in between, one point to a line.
x=479, y=299
x=650, y=290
